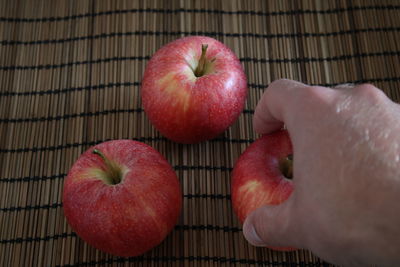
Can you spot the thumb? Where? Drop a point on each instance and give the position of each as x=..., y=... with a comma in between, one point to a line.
x=271, y=226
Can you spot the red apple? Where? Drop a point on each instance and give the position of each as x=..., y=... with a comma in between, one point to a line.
x=193, y=89
x=261, y=176
x=122, y=197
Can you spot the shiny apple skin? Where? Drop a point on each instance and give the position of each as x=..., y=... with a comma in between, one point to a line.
x=129, y=218
x=257, y=179
x=189, y=109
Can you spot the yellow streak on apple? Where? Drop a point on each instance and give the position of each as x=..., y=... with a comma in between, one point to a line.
x=250, y=186
x=140, y=201
x=250, y=197
x=149, y=211
x=177, y=94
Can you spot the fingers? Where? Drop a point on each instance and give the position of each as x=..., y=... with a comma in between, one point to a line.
x=269, y=113
x=289, y=102
x=272, y=226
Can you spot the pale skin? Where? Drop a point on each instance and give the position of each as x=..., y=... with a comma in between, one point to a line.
x=345, y=207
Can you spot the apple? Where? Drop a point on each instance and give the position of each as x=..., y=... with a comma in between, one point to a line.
x=262, y=175
x=193, y=89
x=122, y=197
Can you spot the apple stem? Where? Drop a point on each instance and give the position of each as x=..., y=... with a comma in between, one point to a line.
x=113, y=171
x=286, y=166
x=201, y=67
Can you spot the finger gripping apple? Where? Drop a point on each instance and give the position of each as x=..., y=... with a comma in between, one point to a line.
x=262, y=175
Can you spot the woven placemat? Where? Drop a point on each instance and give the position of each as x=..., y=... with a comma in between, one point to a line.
x=70, y=74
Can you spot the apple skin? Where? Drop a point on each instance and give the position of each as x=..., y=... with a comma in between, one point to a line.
x=257, y=179
x=189, y=109
x=129, y=218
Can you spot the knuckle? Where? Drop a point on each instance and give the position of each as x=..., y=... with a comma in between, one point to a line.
x=369, y=93
x=318, y=94
x=314, y=89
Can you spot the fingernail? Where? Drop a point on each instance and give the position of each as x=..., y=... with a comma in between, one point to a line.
x=250, y=233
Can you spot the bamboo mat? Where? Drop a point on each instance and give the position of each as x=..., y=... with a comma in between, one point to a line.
x=70, y=75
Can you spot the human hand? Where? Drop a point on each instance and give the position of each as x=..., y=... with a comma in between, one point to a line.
x=345, y=205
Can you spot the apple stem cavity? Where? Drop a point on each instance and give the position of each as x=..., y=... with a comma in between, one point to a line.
x=113, y=172
x=201, y=67
x=286, y=166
